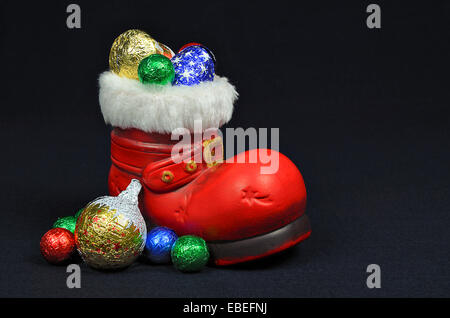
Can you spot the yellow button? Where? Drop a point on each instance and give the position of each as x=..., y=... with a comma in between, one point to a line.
x=191, y=166
x=167, y=176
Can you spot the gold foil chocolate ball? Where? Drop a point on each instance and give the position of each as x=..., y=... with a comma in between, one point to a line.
x=111, y=232
x=129, y=49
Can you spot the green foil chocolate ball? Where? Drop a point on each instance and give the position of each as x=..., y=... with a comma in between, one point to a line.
x=67, y=222
x=77, y=215
x=156, y=69
x=189, y=253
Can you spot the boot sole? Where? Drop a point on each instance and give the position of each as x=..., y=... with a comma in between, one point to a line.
x=227, y=253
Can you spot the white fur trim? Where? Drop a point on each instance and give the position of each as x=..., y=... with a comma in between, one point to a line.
x=127, y=103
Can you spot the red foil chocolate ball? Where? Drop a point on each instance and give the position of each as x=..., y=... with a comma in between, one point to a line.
x=198, y=44
x=57, y=245
x=187, y=45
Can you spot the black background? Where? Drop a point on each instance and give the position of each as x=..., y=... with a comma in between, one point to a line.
x=363, y=113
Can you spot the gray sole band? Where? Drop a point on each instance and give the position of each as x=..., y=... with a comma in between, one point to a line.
x=262, y=244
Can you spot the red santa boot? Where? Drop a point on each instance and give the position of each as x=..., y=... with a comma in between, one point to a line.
x=242, y=212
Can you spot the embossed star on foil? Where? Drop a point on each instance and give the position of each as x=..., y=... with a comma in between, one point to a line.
x=193, y=65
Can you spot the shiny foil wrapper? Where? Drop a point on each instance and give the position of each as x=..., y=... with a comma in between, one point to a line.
x=166, y=51
x=193, y=65
x=57, y=245
x=67, y=222
x=78, y=213
x=111, y=231
x=188, y=45
x=189, y=253
x=129, y=49
x=156, y=69
x=160, y=241
x=198, y=44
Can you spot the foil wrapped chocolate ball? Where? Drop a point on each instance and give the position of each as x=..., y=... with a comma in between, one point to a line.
x=77, y=215
x=129, y=49
x=57, y=245
x=187, y=45
x=193, y=65
x=67, y=222
x=199, y=44
x=156, y=69
x=159, y=244
x=166, y=51
x=190, y=253
x=111, y=231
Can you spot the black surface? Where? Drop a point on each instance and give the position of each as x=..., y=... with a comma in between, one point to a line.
x=363, y=113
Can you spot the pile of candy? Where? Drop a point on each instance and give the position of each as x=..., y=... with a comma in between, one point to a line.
x=110, y=233
x=136, y=55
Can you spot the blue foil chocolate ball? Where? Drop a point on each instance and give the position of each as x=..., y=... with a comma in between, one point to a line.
x=159, y=244
x=193, y=65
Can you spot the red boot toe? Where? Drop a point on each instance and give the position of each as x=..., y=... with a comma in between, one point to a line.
x=242, y=213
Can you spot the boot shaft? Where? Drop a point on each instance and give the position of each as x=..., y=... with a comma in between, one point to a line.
x=133, y=149
x=149, y=156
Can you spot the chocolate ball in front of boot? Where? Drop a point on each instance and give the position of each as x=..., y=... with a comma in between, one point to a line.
x=156, y=69
x=158, y=246
x=129, y=49
x=193, y=65
x=189, y=253
x=67, y=222
x=57, y=245
x=77, y=215
x=111, y=231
